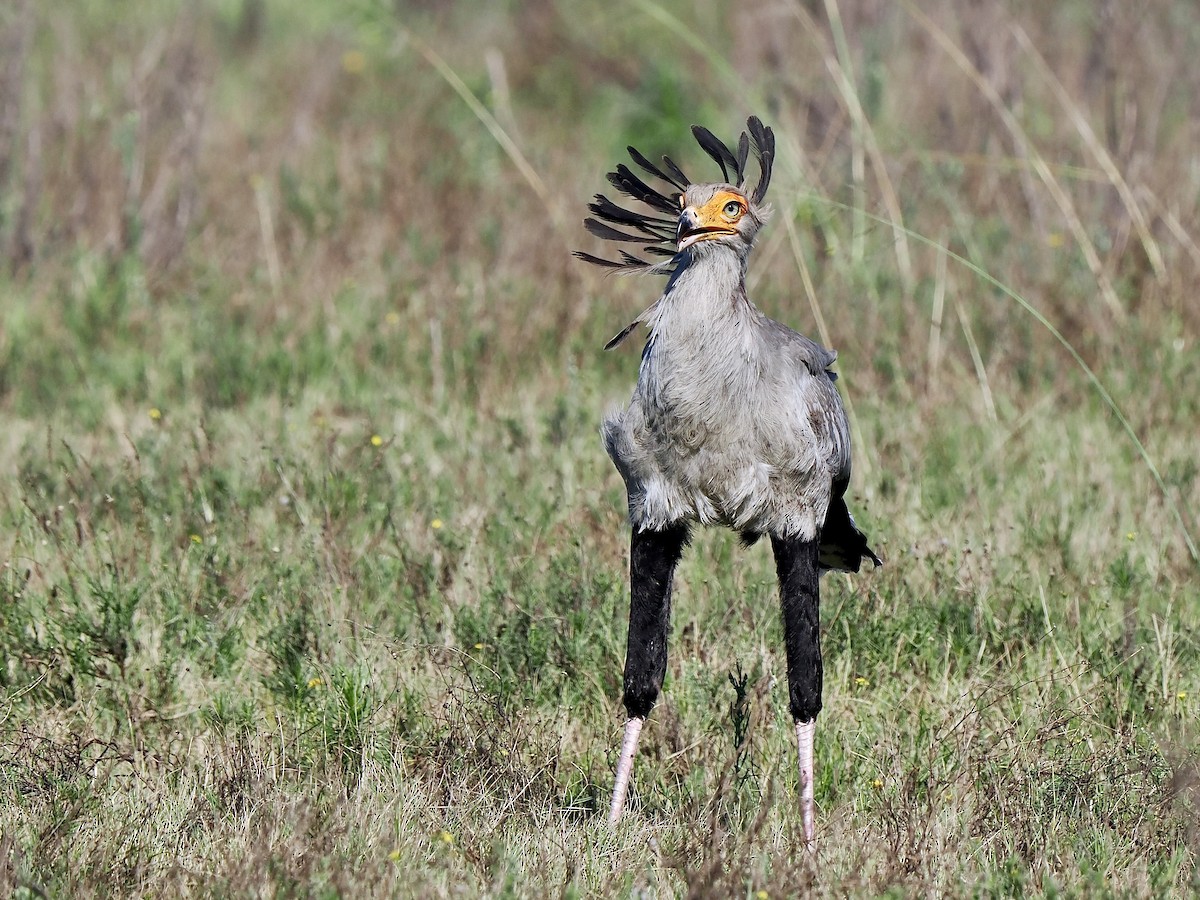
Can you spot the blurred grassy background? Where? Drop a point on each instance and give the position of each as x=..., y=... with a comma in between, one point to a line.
x=314, y=567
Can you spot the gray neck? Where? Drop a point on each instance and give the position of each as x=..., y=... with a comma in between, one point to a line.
x=706, y=291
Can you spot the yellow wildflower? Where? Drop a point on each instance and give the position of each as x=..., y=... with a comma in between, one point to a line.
x=155, y=413
x=862, y=682
x=445, y=837
x=436, y=524
x=376, y=441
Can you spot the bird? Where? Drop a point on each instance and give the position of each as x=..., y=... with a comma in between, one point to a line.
x=735, y=421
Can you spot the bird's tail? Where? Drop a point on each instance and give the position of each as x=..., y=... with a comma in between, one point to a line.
x=843, y=545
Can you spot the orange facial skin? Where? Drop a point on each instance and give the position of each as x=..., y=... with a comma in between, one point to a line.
x=716, y=218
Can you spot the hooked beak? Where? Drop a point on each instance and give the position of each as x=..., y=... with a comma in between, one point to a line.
x=692, y=229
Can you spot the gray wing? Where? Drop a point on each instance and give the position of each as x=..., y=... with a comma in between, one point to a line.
x=835, y=429
x=843, y=545
x=826, y=414
x=803, y=349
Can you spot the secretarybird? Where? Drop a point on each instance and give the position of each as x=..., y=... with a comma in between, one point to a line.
x=735, y=421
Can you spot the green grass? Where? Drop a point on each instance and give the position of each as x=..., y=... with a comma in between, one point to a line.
x=314, y=567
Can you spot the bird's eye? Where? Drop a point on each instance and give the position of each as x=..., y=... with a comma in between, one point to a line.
x=733, y=209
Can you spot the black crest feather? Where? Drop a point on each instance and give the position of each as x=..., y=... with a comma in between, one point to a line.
x=627, y=183
x=603, y=208
x=742, y=155
x=596, y=260
x=763, y=141
x=675, y=171
x=608, y=233
x=717, y=150
x=655, y=170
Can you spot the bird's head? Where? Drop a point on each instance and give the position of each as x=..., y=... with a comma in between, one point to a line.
x=717, y=215
x=690, y=217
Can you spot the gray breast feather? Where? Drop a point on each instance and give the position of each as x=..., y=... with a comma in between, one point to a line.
x=742, y=427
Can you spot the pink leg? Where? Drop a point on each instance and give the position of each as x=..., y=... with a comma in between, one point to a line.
x=804, y=743
x=633, y=728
